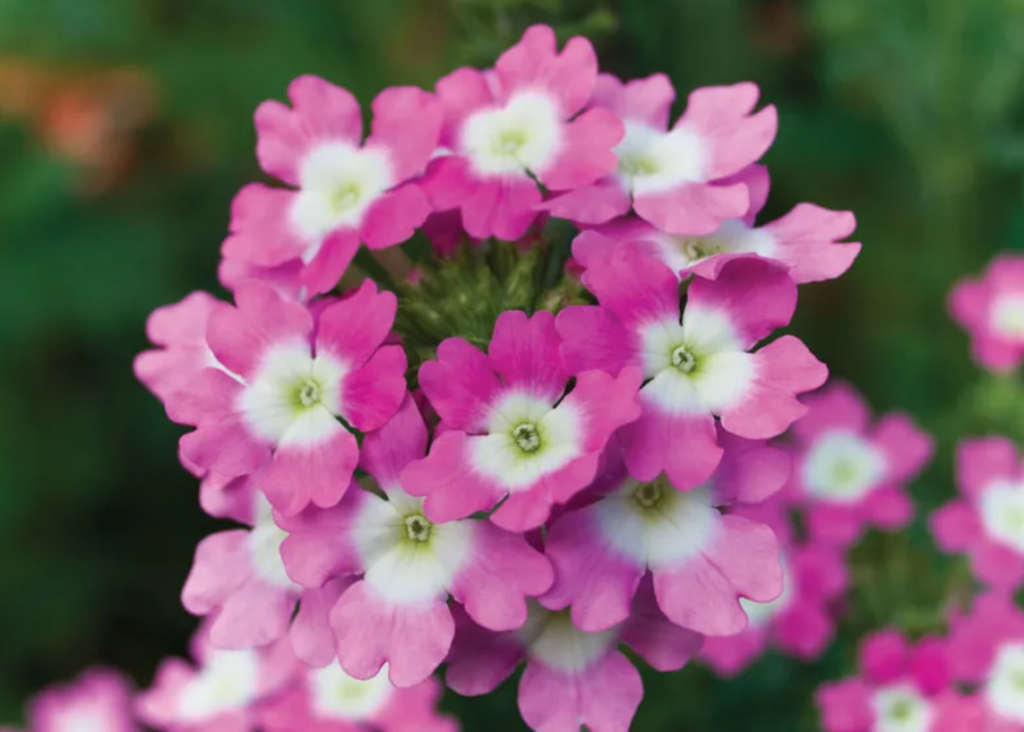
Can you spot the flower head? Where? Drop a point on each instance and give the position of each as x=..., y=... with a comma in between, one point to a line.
x=100, y=700
x=991, y=309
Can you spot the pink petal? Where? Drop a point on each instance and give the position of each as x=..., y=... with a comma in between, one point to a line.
x=354, y=327
x=263, y=318
x=373, y=393
x=448, y=183
x=647, y=100
x=729, y=655
x=846, y=706
x=209, y=395
x=638, y=289
x=593, y=204
x=286, y=278
x=928, y=666
x=721, y=116
x=310, y=470
x=884, y=656
x=181, y=329
x=995, y=353
x=839, y=406
x=604, y=403
x=254, y=615
x=461, y=93
x=586, y=156
x=524, y=352
x=692, y=209
x=480, y=659
x=461, y=385
x=997, y=565
x=661, y=643
x=331, y=262
x=535, y=62
x=755, y=177
x=593, y=338
x=683, y=446
x=311, y=636
x=412, y=640
x=320, y=544
x=906, y=447
x=982, y=462
x=969, y=302
x=820, y=571
x=261, y=232
x=407, y=122
x=756, y=295
x=530, y=508
x=453, y=490
x=808, y=239
x=394, y=217
x=503, y=208
x=504, y=570
x=322, y=112
x=889, y=507
x=804, y=630
x=782, y=369
x=386, y=452
x=836, y=524
x=604, y=696
x=750, y=472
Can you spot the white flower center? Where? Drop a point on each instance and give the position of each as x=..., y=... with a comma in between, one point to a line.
x=901, y=709
x=552, y=638
x=1004, y=690
x=1002, y=513
x=651, y=161
x=1007, y=317
x=229, y=681
x=265, y=542
x=339, y=183
x=524, y=135
x=656, y=525
x=336, y=695
x=843, y=467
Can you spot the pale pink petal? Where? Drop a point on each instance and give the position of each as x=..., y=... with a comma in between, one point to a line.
x=638, y=289
x=354, y=327
x=750, y=472
x=593, y=338
x=982, y=462
x=372, y=393
x=332, y=260
x=736, y=139
x=286, y=278
x=261, y=232
x=407, y=122
x=594, y=204
x=415, y=710
x=503, y=208
x=836, y=407
x=208, y=395
x=758, y=182
x=394, y=217
x=683, y=446
x=664, y=645
x=308, y=469
x=460, y=385
x=587, y=154
x=524, y=352
x=845, y=706
x=692, y=209
x=311, y=636
x=254, y=615
x=907, y=449
x=181, y=330
x=534, y=62
x=225, y=447
x=647, y=100
x=386, y=452
x=808, y=239
x=461, y=93
x=604, y=403
x=412, y=640
x=453, y=490
x=319, y=545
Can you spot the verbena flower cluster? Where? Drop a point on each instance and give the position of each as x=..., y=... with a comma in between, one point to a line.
x=509, y=456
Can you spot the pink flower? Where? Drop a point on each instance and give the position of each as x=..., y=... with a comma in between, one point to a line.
x=572, y=678
x=800, y=622
x=699, y=363
x=991, y=309
x=343, y=192
x=674, y=179
x=806, y=240
x=222, y=694
x=100, y=700
x=277, y=407
x=850, y=474
x=510, y=430
x=329, y=700
x=987, y=523
x=901, y=688
x=520, y=122
x=179, y=332
x=701, y=556
x=408, y=565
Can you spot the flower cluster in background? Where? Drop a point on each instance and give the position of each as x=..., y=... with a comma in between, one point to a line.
x=616, y=449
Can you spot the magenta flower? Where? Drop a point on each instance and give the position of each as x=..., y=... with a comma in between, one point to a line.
x=572, y=678
x=99, y=700
x=699, y=361
x=329, y=700
x=850, y=474
x=238, y=580
x=702, y=558
x=675, y=179
x=902, y=688
x=806, y=240
x=408, y=565
x=991, y=309
x=510, y=431
x=289, y=382
x=987, y=522
x=507, y=128
x=800, y=622
x=343, y=192
x=222, y=694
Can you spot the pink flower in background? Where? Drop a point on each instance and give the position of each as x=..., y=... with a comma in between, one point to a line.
x=329, y=700
x=806, y=240
x=673, y=179
x=344, y=192
x=100, y=700
x=572, y=678
x=221, y=694
x=699, y=362
x=397, y=613
x=278, y=407
x=520, y=122
x=801, y=622
x=238, y=580
x=509, y=427
x=991, y=309
x=901, y=687
x=987, y=522
x=850, y=474
x=701, y=556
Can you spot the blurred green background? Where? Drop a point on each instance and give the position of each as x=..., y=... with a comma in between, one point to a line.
x=125, y=129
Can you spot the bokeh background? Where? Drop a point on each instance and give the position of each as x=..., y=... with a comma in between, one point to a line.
x=125, y=129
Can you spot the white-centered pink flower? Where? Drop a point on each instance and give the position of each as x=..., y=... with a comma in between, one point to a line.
x=991, y=309
x=511, y=432
x=285, y=384
x=408, y=565
x=520, y=123
x=572, y=678
x=100, y=700
x=850, y=474
x=987, y=521
x=702, y=557
x=806, y=240
x=698, y=362
x=222, y=693
x=676, y=179
x=344, y=192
